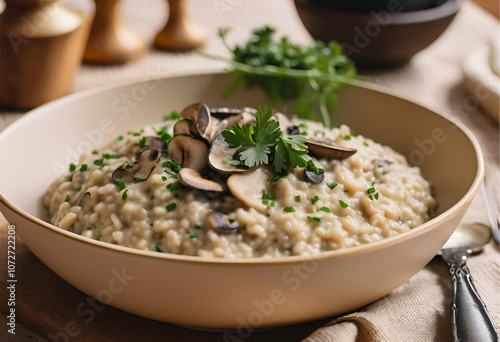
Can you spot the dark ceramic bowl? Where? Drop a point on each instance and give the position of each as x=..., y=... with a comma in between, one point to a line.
x=378, y=5
x=377, y=37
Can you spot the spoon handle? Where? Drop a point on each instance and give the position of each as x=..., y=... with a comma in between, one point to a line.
x=469, y=318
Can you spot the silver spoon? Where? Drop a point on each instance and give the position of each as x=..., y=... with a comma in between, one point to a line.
x=469, y=319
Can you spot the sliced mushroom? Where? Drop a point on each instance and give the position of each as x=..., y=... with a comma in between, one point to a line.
x=183, y=127
x=155, y=143
x=85, y=201
x=247, y=187
x=221, y=152
x=329, y=151
x=193, y=179
x=224, y=112
x=199, y=114
x=313, y=177
x=220, y=222
x=140, y=170
x=240, y=119
x=188, y=151
x=293, y=130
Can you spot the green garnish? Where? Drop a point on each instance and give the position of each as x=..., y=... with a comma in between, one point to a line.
x=140, y=178
x=72, y=167
x=289, y=209
x=365, y=143
x=171, y=206
x=268, y=199
x=346, y=137
x=325, y=209
x=173, y=187
x=310, y=165
x=314, y=219
x=173, y=116
x=135, y=134
x=125, y=195
x=99, y=162
x=343, y=204
x=372, y=194
x=84, y=167
x=172, y=165
x=67, y=199
x=314, y=199
x=163, y=178
x=282, y=174
x=120, y=137
x=109, y=156
x=192, y=236
x=265, y=143
x=142, y=142
x=297, y=198
x=121, y=184
x=311, y=74
x=158, y=249
x=94, y=151
x=332, y=185
x=197, y=226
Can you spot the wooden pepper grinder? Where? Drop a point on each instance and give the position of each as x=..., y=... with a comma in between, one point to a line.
x=180, y=33
x=110, y=41
x=41, y=46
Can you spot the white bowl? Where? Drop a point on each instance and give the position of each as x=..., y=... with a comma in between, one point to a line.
x=218, y=293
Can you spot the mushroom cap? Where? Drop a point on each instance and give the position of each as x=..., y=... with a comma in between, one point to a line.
x=193, y=179
x=224, y=112
x=313, y=177
x=220, y=222
x=218, y=152
x=199, y=114
x=183, y=127
x=141, y=169
x=247, y=187
x=329, y=151
x=188, y=151
x=85, y=201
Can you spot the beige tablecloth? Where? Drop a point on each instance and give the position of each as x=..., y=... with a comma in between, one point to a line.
x=418, y=310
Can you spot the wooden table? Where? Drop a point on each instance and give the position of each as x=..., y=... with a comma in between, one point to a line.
x=46, y=303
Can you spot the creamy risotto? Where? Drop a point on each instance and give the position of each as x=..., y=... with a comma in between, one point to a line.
x=134, y=192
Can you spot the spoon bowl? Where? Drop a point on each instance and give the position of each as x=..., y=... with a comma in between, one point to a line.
x=472, y=236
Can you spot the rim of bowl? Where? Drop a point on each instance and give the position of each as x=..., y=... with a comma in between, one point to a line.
x=339, y=253
x=446, y=9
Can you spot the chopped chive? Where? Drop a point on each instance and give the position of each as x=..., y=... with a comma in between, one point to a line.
x=265, y=202
x=343, y=204
x=173, y=187
x=120, y=137
x=346, y=137
x=140, y=178
x=192, y=236
x=94, y=151
x=197, y=226
x=72, y=167
x=272, y=204
x=297, y=198
x=314, y=199
x=371, y=190
x=365, y=143
x=125, y=195
x=109, y=156
x=158, y=249
x=67, y=199
x=99, y=162
x=314, y=219
x=121, y=184
x=142, y=142
x=325, y=209
x=174, y=115
x=376, y=196
x=171, y=206
x=289, y=209
x=332, y=185
x=163, y=178
x=84, y=167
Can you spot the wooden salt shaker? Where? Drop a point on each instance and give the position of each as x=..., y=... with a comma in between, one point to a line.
x=110, y=41
x=41, y=46
x=180, y=33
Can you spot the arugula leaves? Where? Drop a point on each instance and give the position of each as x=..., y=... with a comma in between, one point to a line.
x=310, y=74
x=265, y=143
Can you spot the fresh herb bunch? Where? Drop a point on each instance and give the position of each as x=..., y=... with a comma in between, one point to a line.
x=311, y=74
x=265, y=143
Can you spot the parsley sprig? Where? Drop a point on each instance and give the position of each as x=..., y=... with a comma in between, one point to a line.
x=310, y=74
x=265, y=143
